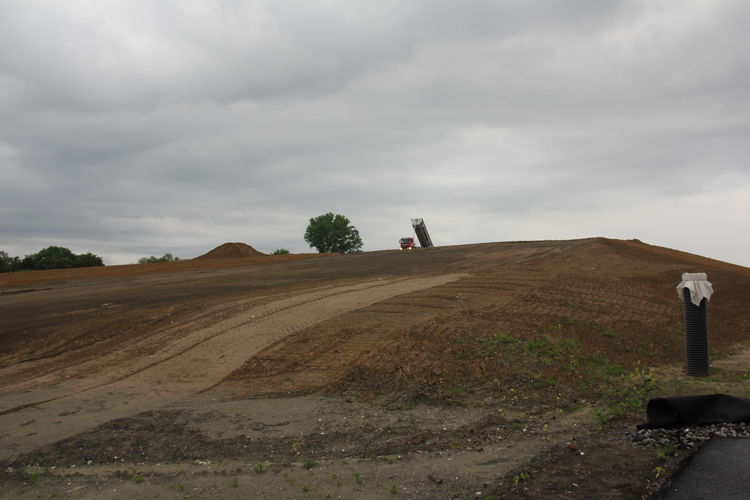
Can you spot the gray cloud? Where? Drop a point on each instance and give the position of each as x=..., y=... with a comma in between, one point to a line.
x=131, y=128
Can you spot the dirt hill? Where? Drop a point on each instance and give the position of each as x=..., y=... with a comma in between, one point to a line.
x=461, y=365
x=231, y=251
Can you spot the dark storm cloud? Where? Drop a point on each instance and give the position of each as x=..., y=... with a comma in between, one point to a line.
x=134, y=127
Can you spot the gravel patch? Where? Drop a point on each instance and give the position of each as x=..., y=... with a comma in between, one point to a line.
x=687, y=438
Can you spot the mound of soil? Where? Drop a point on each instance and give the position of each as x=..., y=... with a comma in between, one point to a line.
x=231, y=251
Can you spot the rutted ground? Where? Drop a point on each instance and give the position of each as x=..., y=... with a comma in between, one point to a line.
x=170, y=365
x=441, y=372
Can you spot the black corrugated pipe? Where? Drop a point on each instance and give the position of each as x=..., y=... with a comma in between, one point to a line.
x=696, y=336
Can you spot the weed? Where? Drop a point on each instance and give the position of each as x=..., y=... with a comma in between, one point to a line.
x=519, y=477
x=501, y=338
x=358, y=478
x=540, y=345
x=630, y=397
x=609, y=333
x=235, y=483
x=309, y=464
x=305, y=488
x=137, y=479
x=666, y=451
x=658, y=471
x=259, y=468
x=393, y=490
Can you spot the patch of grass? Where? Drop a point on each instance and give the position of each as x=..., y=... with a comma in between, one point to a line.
x=489, y=345
x=608, y=333
x=629, y=397
x=309, y=464
x=259, y=468
x=540, y=345
x=358, y=478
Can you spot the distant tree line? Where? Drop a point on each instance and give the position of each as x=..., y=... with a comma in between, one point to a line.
x=52, y=257
x=167, y=257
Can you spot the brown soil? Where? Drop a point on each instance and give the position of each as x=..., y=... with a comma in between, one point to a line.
x=231, y=251
x=24, y=278
x=438, y=372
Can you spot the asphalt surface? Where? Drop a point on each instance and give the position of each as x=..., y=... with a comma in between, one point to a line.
x=720, y=470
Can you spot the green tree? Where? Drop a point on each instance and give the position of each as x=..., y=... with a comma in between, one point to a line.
x=280, y=251
x=56, y=257
x=8, y=263
x=53, y=257
x=167, y=257
x=87, y=260
x=332, y=233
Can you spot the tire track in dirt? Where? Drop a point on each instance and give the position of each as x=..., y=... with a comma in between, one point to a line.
x=183, y=366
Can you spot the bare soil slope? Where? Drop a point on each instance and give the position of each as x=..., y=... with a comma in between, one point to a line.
x=95, y=367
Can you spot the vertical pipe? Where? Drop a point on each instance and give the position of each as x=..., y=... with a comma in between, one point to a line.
x=696, y=336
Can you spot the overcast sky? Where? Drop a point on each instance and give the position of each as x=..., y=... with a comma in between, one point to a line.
x=133, y=128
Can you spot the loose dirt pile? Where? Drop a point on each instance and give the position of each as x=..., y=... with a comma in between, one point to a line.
x=231, y=251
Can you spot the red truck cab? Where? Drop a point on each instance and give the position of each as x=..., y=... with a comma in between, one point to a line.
x=406, y=243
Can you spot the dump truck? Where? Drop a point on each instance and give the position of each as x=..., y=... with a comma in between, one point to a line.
x=406, y=243
x=421, y=229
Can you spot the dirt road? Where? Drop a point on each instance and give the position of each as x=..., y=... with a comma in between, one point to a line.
x=180, y=363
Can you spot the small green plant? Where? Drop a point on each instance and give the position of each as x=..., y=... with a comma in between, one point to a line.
x=305, y=488
x=280, y=251
x=608, y=333
x=309, y=464
x=658, y=471
x=358, y=478
x=137, y=479
x=519, y=477
x=501, y=338
x=259, y=468
x=235, y=483
x=393, y=490
x=666, y=451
